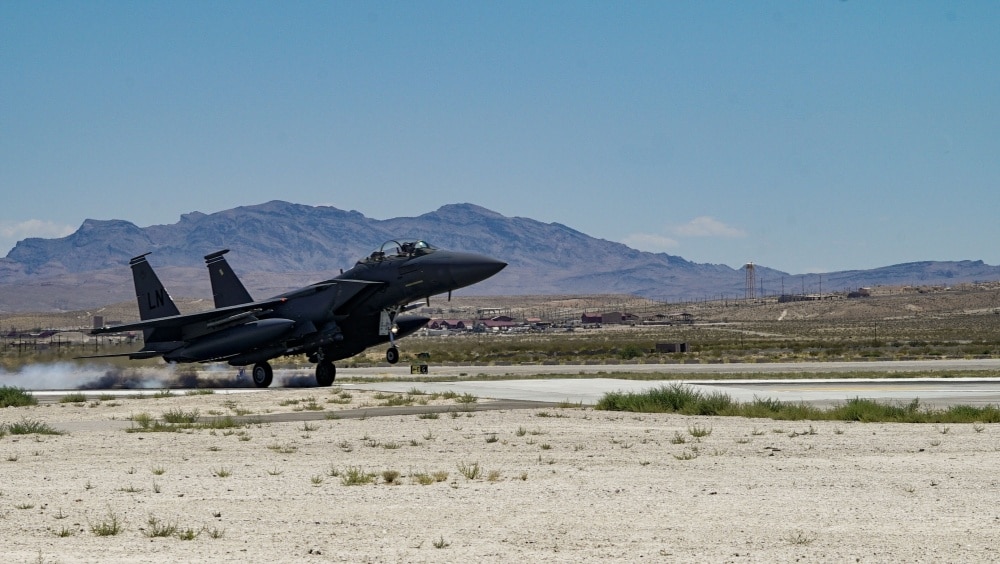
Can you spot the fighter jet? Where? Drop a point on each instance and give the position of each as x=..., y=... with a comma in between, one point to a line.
x=326, y=321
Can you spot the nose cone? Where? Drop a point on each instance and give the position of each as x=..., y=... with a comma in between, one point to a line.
x=467, y=268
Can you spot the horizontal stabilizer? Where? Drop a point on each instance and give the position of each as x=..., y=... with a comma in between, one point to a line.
x=238, y=318
x=137, y=355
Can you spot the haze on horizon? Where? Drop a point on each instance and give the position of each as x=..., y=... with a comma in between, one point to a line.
x=806, y=137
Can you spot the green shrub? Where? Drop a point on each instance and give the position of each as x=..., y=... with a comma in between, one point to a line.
x=31, y=427
x=629, y=352
x=355, y=476
x=15, y=397
x=678, y=398
x=470, y=471
x=867, y=410
x=180, y=416
x=111, y=526
x=75, y=397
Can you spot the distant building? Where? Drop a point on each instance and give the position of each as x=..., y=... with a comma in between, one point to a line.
x=786, y=298
x=495, y=326
x=669, y=319
x=537, y=323
x=451, y=324
x=611, y=317
x=671, y=347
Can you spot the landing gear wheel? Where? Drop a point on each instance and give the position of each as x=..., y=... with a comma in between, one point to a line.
x=392, y=355
x=326, y=372
x=262, y=374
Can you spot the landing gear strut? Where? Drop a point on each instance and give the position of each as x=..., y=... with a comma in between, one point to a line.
x=262, y=374
x=326, y=372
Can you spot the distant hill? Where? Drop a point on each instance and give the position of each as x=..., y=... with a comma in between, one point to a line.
x=278, y=246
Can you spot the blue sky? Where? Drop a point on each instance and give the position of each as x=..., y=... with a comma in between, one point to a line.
x=804, y=136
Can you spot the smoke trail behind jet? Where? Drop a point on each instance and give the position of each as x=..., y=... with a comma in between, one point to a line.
x=69, y=376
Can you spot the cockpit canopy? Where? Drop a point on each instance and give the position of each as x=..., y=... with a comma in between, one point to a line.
x=394, y=248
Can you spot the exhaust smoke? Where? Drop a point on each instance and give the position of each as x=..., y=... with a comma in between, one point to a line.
x=69, y=376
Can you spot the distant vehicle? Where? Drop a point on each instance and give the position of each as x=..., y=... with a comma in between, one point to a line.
x=326, y=321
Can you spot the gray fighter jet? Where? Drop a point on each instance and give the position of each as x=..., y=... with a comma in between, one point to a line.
x=326, y=321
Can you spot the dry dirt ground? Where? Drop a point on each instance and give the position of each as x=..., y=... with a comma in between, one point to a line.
x=553, y=485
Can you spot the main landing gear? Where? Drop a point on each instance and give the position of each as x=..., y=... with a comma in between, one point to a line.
x=262, y=375
x=326, y=372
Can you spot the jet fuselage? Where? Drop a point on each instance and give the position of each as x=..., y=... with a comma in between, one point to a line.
x=326, y=321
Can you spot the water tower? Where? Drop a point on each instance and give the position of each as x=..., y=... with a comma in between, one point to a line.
x=751, y=288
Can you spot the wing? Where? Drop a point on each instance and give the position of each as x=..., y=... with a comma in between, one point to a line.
x=211, y=320
x=213, y=334
x=348, y=295
x=345, y=294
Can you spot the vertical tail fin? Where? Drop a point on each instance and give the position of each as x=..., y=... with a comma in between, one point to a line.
x=226, y=286
x=154, y=301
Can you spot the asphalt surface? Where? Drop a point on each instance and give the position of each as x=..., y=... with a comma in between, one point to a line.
x=938, y=392
x=523, y=385
x=880, y=366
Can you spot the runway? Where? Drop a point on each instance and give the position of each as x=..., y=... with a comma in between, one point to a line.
x=586, y=384
x=695, y=369
x=937, y=392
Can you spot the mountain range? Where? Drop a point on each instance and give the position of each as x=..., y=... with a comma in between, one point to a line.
x=278, y=246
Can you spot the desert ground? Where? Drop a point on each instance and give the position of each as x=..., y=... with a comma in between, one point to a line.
x=552, y=484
